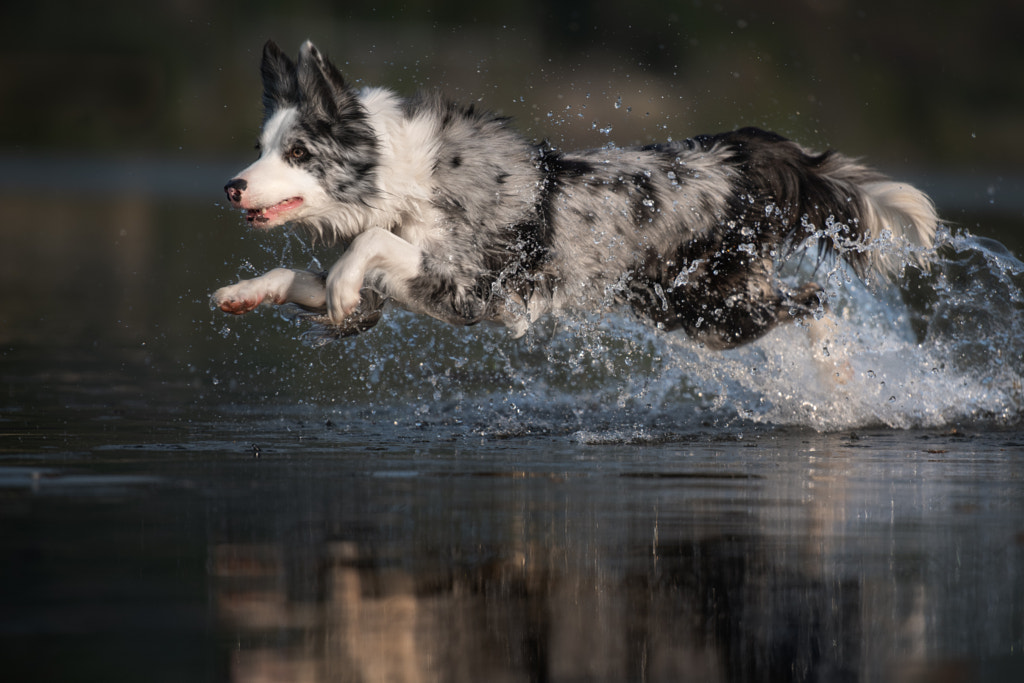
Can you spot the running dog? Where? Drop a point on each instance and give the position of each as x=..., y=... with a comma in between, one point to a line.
x=446, y=211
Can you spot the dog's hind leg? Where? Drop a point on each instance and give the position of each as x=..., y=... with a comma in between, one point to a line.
x=736, y=313
x=832, y=363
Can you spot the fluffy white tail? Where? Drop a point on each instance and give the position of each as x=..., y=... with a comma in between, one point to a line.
x=900, y=223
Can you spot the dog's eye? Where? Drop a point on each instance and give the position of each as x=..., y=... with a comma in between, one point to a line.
x=298, y=152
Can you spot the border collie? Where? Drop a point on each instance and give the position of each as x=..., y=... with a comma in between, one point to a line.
x=446, y=211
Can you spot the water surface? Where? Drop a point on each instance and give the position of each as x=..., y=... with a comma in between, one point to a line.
x=187, y=496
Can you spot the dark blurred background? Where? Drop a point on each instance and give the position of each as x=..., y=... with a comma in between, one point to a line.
x=923, y=85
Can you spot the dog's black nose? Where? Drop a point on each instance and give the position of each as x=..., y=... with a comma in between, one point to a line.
x=234, y=190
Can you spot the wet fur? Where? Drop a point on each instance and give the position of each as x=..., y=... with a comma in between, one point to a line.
x=447, y=211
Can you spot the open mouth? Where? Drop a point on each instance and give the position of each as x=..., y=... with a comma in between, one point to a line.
x=272, y=214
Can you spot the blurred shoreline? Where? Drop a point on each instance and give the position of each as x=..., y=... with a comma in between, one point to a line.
x=990, y=191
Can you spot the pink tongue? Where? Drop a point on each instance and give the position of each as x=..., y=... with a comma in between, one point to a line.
x=277, y=209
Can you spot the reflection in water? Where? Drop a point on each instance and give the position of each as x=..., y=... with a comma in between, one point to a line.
x=730, y=573
x=706, y=610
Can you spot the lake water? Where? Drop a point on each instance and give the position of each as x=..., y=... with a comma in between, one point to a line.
x=188, y=496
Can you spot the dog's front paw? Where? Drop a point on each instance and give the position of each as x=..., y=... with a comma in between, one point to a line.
x=343, y=295
x=237, y=299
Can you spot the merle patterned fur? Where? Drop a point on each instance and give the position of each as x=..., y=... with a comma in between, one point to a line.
x=686, y=234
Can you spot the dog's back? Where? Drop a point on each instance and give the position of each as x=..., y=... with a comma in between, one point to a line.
x=689, y=233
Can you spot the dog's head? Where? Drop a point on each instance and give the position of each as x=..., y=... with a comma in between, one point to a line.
x=317, y=147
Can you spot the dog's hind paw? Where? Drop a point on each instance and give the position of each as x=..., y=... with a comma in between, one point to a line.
x=829, y=357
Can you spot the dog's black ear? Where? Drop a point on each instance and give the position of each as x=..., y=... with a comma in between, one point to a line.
x=321, y=82
x=280, y=82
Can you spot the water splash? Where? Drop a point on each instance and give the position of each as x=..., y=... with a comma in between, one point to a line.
x=945, y=347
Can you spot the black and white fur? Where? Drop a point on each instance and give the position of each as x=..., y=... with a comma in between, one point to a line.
x=447, y=211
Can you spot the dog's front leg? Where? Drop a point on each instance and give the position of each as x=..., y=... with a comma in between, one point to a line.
x=278, y=286
x=420, y=281
x=390, y=261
